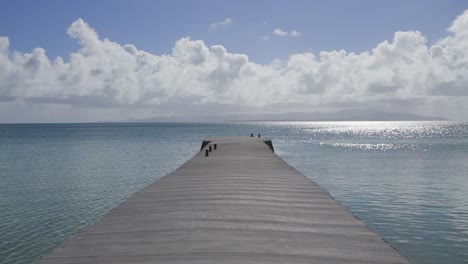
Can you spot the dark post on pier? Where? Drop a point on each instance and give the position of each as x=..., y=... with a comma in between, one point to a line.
x=240, y=204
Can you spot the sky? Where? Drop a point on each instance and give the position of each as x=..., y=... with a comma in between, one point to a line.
x=111, y=60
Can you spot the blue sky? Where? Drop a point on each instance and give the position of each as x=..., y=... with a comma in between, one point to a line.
x=155, y=26
x=83, y=61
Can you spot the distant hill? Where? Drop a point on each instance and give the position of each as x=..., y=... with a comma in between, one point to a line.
x=351, y=115
x=344, y=115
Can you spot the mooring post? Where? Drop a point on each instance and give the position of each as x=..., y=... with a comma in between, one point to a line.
x=215, y=146
x=209, y=148
x=258, y=135
x=207, y=153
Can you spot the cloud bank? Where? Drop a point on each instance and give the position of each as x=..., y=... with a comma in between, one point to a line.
x=405, y=73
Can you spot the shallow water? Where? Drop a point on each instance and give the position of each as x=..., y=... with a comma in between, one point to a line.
x=407, y=180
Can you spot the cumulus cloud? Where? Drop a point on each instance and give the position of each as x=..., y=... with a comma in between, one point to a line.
x=405, y=70
x=280, y=33
x=220, y=24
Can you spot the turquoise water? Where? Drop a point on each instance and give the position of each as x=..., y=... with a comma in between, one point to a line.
x=407, y=180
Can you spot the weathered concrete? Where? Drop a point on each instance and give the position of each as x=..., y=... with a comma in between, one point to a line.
x=242, y=204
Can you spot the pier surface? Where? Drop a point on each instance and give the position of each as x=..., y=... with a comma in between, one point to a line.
x=241, y=204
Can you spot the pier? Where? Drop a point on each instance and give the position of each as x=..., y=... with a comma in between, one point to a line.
x=238, y=203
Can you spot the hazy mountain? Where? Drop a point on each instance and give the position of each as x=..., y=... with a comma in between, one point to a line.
x=344, y=115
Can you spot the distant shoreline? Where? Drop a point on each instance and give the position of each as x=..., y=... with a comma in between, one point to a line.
x=219, y=122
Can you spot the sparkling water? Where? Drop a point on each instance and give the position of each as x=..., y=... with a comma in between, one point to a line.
x=406, y=180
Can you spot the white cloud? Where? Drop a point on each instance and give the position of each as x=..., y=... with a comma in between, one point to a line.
x=220, y=24
x=295, y=33
x=280, y=33
x=460, y=24
x=266, y=37
x=403, y=73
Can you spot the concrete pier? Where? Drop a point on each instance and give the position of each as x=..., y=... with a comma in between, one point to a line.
x=240, y=204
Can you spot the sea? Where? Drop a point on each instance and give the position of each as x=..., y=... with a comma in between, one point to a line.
x=407, y=180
